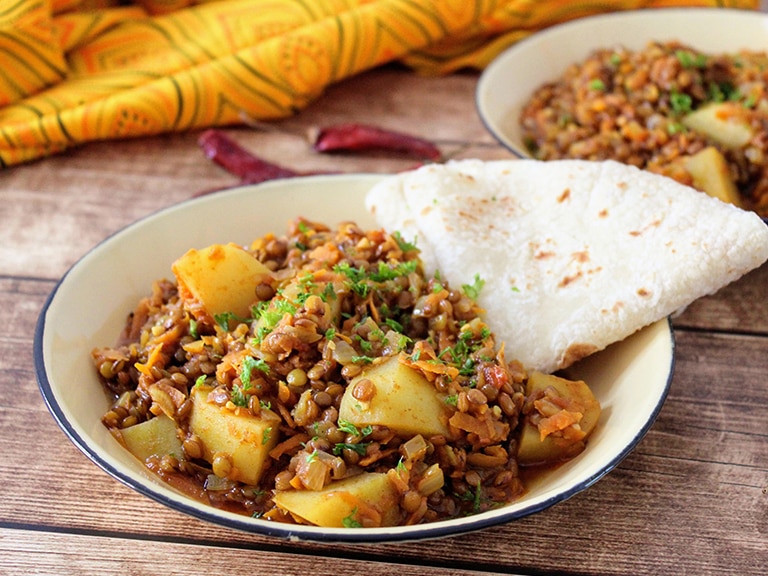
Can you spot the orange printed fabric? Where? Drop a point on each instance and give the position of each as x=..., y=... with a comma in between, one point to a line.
x=30, y=56
x=76, y=71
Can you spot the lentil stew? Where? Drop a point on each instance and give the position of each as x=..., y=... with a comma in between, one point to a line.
x=699, y=118
x=345, y=376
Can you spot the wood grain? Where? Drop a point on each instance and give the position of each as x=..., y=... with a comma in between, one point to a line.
x=690, y=499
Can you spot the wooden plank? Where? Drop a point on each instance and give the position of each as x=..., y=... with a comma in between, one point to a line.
x=60, y=554
x=739, y=307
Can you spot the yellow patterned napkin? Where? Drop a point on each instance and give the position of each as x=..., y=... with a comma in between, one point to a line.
x=75, y=71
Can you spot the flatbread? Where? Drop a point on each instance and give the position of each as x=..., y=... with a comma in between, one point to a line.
x=575, y=255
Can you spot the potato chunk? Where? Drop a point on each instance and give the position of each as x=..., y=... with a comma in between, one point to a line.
x=245, y=440
x=396, y=396
x=564, y=417
x=725, y=123
x=155, y=437
x=368, y=499
x=219, y=279
x=711, y=174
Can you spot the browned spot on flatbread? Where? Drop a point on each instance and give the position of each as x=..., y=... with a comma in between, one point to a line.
x=564, y=196
x=613, y=309
x=622, y=185
x=654, y=224
x=543, y=255
x=569, y=279
x=576, y=352
x=603, y=213
x=471, y=216
x=581, y=257
x=643, y=292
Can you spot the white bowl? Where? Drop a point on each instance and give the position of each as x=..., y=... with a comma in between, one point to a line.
x=88, y=307
x=512, y=78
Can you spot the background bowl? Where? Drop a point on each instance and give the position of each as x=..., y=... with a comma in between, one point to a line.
x=88, y=307
x=510, y=80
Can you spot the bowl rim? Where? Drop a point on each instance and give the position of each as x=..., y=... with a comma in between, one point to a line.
x=186, y=505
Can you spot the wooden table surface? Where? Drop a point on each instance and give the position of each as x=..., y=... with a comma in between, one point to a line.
x=692, y=498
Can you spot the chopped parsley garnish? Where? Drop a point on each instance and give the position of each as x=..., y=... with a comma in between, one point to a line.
x=349, y=428
x=360, y=279
x=365, y=346
x=404, y=245
x=596, y=84
x=193, y=328
x=681, y=103
x=690, y=60
x=249, y=365
x=357, y=448
x=722, y=91
x=238, y=396
x=225, y=318
x=475, y=496
x=473, y=290
x=350, y=522
x=674, y=128
x=329, y=293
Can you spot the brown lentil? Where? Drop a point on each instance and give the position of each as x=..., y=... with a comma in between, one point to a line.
x=627, y=106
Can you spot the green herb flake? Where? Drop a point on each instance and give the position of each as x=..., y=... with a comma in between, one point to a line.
x=249, y=365
x=596, y=84
x=357, y=448
x=473, y=290
x=689, y=59
x=329, y=293
x=347, y=427
x=675, y=128
x=266, y=435
x=350, y=521
x=225, y=318
x=681, y=103
x=193, y=328
x=238, y=396
x=403, y=244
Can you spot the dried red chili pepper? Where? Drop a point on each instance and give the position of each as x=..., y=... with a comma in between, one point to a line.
x=235, y=159
x=362, y=137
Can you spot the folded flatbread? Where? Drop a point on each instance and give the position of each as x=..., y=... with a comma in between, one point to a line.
x=575, y=255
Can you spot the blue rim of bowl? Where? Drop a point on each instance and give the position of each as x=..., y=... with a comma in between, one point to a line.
x=308, y=533
x=521, y=152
